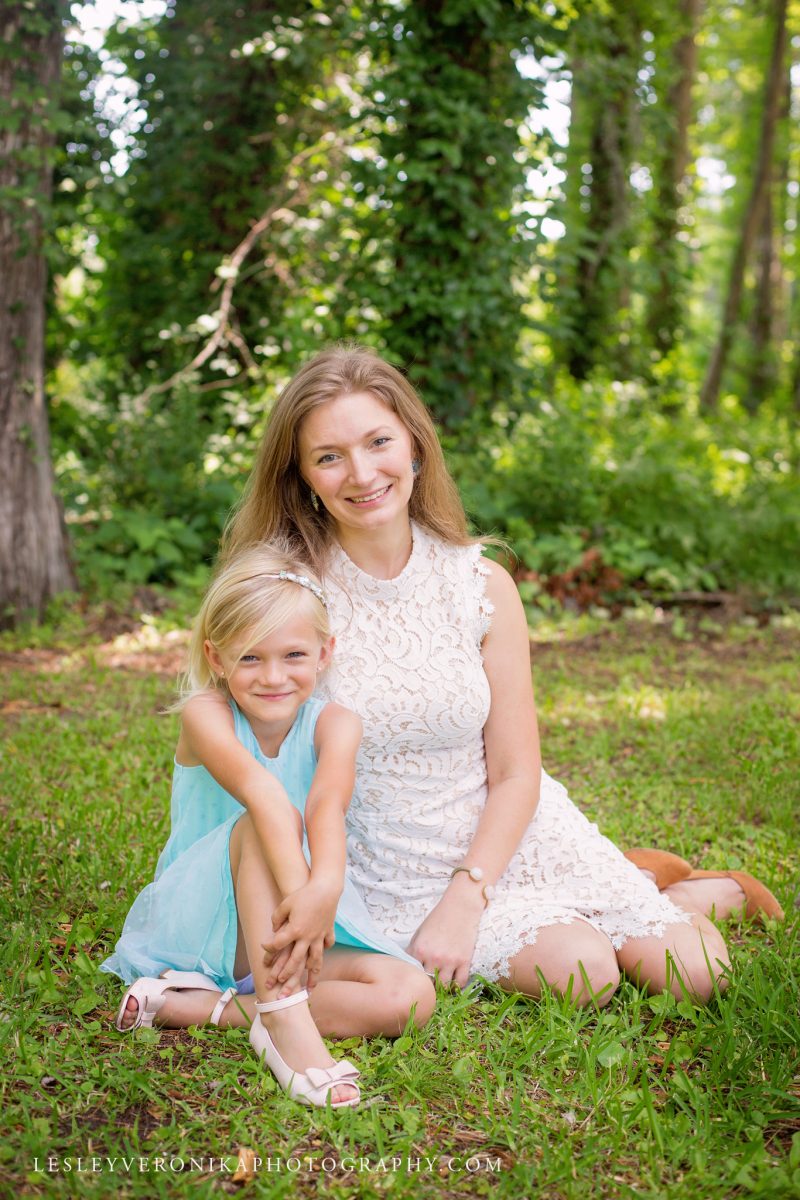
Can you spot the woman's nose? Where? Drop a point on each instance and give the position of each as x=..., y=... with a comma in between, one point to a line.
x=361, y=471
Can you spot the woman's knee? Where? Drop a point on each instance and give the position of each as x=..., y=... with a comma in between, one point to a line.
x=692, y=961
x=575, y=960
x=700, y=964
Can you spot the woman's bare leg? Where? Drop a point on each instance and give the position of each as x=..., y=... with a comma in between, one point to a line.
x=574, y=959
x=716, y=898
x=689, y=957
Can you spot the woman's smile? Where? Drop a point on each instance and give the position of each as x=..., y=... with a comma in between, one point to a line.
x=355, y=454
x=371, y=497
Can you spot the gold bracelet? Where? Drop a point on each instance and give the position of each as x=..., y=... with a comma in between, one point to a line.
x=476, y=874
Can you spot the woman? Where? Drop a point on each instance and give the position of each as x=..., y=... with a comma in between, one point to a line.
x=462, y=848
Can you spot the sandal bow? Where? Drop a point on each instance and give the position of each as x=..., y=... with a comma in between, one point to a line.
x=342, y=1072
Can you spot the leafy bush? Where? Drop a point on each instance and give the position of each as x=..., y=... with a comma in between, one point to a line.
x=670, y=499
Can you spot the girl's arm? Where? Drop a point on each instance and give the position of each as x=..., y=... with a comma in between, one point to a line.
x=208, y=738
x=336, y=741
x=445, y=941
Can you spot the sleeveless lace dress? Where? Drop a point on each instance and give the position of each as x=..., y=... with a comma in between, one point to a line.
x=408, y=661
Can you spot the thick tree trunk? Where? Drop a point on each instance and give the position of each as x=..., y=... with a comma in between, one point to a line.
x=33, y=558
x=666, y=306
x=754, y=210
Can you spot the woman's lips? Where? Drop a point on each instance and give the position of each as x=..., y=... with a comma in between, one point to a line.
x=370, y=497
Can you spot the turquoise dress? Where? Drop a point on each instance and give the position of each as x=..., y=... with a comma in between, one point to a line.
x=186, y=918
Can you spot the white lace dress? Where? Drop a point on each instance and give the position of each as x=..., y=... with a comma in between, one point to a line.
x=408, y=661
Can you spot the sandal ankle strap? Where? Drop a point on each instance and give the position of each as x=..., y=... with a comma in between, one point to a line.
x=220, y=1006
x=287, y=1002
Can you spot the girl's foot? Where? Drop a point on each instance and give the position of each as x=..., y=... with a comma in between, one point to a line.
x=192, y=1007
x=293, y=1048
x=149, y=999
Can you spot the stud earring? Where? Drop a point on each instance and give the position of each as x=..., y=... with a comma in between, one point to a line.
x=415, y=466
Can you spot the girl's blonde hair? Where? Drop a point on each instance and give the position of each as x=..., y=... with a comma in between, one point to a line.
x=277, y=502
x=245, y=599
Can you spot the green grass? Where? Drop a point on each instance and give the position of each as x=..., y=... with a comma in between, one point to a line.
x=686, y=744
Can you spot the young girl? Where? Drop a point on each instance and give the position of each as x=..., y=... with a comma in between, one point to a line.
x=248, y=817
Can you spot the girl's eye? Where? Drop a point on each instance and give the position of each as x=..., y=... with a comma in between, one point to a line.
x=296, y=654
x=248, y=658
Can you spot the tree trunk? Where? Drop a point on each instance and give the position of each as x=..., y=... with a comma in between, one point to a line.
x=768, y=317
x=604, y=66
x=754, y=210
x=33, y=558
x=666, y=301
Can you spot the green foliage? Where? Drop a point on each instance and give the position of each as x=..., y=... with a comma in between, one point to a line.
x=670, y=500
x=148, y=488
x=448, y=102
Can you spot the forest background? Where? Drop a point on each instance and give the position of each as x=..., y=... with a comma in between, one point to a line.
x=574, y=225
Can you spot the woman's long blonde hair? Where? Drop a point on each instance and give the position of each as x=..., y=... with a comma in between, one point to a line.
x=277, y=501
x=245, y=599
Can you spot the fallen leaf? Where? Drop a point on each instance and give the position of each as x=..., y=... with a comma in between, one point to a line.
x=246, y=1165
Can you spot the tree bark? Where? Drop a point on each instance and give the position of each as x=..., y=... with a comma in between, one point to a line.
x=754, y=210
x=666, y=307
x=604, y=67
x=768, y=313
x=34, y=565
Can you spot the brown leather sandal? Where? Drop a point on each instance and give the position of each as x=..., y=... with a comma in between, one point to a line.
x=759, y=900
x=667, y=868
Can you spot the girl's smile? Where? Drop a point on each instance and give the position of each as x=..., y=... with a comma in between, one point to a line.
x=271, y=679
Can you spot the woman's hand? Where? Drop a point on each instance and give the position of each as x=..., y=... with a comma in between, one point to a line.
x=303, y=925
x=445, y=941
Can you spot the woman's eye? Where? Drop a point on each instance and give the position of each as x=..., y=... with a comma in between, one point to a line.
x=381, y=441
x=326, y=458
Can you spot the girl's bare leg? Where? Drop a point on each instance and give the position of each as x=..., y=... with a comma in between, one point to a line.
x=364, y=994
x=359, y=994
x=293, y=1031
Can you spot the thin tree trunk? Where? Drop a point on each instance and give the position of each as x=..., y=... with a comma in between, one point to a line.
x=762, y=324
x=33, y=558
x=768, y=317
x=753, y=211
x=666, y=304
x=604, y=70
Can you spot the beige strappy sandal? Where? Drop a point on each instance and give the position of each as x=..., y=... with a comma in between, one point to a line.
x=313, y=1086
x=149, y=993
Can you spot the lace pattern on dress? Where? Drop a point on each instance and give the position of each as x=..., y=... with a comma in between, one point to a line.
x=408, y=661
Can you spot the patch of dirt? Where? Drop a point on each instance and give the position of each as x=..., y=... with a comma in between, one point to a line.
x=145, y=649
